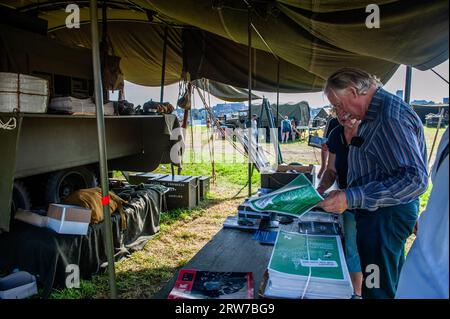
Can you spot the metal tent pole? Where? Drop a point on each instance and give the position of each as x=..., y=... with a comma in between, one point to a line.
x=250, y=164
x=102, y=146
x=104, y=45
x=278, y=88
x=163, y=71
x=441, y=115
x=408, y=84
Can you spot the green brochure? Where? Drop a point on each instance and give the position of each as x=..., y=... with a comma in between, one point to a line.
x=296, y=198
x=294, y=254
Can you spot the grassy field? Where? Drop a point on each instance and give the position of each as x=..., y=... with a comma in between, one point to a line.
x=184, y=232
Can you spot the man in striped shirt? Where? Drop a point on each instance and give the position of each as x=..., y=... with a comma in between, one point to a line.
x=387, y=172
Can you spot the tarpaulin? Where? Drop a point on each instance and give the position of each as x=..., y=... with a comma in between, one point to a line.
x=311, y=38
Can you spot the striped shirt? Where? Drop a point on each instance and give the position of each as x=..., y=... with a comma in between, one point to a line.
x=390, y=167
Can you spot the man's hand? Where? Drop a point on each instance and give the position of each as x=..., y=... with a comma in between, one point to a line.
x=335, y=202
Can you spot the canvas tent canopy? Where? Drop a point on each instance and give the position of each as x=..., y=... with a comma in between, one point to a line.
x=208, y=38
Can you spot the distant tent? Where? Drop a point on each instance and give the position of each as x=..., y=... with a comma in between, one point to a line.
x=321, y=118
x=300, y=112
x=424, y=109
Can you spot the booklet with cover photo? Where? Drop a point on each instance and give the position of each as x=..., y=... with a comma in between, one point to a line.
x=295, y=198
x=196, y=284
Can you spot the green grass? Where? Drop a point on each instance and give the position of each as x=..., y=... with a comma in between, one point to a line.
x=424, y=198
x=236, y=174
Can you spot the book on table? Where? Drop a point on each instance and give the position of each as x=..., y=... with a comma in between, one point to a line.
x=308, y=266
x=196, y=284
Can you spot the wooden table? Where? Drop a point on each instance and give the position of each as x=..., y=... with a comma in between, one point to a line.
x=231, y=250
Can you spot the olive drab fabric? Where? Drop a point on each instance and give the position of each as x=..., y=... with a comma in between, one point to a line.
x=209, y=38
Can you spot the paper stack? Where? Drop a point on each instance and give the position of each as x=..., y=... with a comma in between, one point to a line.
x=308, y=266
x=241, y=223
x=245, y=211
x=71, y=105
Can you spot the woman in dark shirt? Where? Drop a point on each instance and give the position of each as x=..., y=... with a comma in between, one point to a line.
x=336, y=171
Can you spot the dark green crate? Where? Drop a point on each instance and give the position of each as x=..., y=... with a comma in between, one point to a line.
x=186, y=192
x=204, y=186
x=138, y=178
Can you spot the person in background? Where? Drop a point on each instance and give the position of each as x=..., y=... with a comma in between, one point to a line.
x=294, y=130
x=254, y=126
x=425, y=273
x=285, y=129
x=338, y=144
x=387, y=172
x=332, y=122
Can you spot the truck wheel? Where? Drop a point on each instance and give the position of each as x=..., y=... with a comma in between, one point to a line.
x=61, y=184
x=20, y=197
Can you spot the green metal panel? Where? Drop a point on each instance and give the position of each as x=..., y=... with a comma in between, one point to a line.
x=49, y=143
x=8, y=143
x=43, y=143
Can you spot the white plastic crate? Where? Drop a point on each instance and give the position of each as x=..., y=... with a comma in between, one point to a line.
x=24, y=93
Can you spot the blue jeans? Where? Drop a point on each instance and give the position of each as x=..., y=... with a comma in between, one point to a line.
x=351, y=249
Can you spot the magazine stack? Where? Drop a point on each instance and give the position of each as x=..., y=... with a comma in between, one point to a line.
x=304, y=266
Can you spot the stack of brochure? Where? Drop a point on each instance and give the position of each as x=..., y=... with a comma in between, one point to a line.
x=72, y=105
x=308, y=266
x=245, y=211
x=322, y=217
x=320, y=223
x=242, y=223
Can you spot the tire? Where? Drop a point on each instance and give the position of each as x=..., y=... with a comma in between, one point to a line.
x=20, y=198
x=62, y=183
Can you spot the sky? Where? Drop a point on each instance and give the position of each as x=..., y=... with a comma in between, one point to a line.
x=425, y=86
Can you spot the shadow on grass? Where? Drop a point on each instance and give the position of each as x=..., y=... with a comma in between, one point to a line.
x=141, y=284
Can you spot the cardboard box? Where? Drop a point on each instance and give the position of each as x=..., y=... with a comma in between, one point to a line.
x=25, y=93
x=68, y=219
x=279, y=179
x=298, y=168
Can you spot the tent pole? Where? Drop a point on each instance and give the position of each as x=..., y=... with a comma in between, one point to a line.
x=441, y=115
x=104, y=46
x=278, y=89
x=163, y=69
x=249, y=35
x=102, y=146
x=408, y=84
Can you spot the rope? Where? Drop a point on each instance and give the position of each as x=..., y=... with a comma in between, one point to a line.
x=10, y=125
x=442, y=78
x=210, y=133
x=217, y=124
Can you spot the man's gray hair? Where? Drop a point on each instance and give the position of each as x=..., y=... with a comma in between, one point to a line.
x=346, y=77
